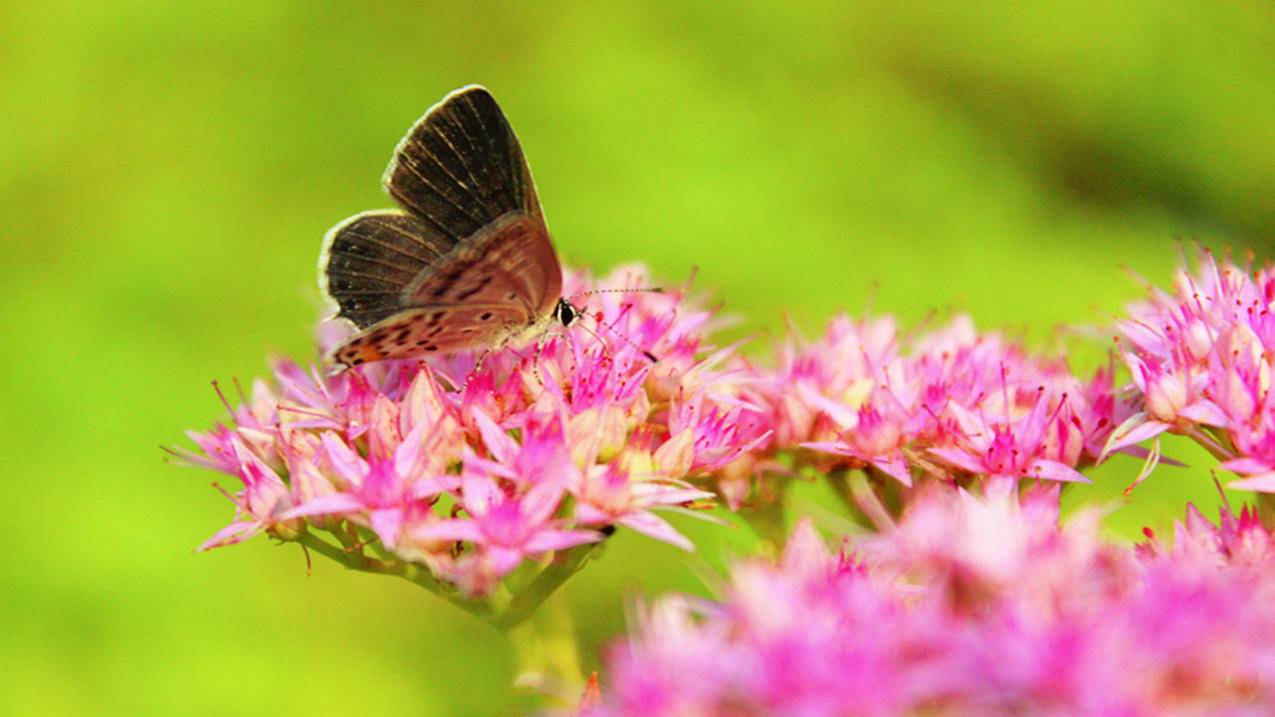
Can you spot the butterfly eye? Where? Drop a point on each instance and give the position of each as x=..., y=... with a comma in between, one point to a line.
x=565, y=312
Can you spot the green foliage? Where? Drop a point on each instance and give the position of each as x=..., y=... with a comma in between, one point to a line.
x=167, y=171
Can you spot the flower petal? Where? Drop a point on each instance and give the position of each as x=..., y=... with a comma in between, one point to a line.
x=653, y=526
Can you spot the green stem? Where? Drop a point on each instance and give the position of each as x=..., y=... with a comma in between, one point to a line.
x=856, y=491
x=766, y=514
x=548, y=654
x=356, y=560
x=514, y=612
x=1266, y=509
x=565, y=564
x=1209, y=443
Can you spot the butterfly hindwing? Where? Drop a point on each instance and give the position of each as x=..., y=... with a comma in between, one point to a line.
x=430, y=330
x=370, y=258
x=509, y=262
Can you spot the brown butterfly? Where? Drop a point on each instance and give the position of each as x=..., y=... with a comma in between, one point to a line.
x=465, y=263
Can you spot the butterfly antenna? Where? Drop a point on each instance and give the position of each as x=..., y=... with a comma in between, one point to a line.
x=644, y=290
x=601, y=343
x=598, y=317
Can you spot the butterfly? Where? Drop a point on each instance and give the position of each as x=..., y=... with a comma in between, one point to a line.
x=465, y=262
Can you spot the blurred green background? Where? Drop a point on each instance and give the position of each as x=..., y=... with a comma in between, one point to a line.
x=167, y=171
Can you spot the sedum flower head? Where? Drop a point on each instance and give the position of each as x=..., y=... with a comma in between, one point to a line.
x=471, y=465
x=1200, y=359
x=974, y=606
x=951, y=403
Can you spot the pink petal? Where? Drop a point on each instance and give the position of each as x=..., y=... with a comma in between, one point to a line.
x=653, y=526
x=499, y=443
x=549, y=540
x=960, y=459
x=231, y=534
x=501, y=559
x=488, y=468
x=332, y=504
x=844, y=416
x=479, y=493
x=896, y=468
x=805, y=551
x=974, y=427
x=1247, y=466
x=433, y=485
x=1205, y=412
x=408, y=459
x=1053, y=470
x=541, y=502
x=449, y=530
x=1264, y=483
x=833, y=447
x=308, y=483
x=587, y=514
x=661, y=494
x=1136, y=368
x=344, y=461
x=387, y=523
x=1137, y=428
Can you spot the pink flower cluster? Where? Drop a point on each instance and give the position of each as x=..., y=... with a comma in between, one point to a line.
x=974, y=606
x=469, y=467
x=1201, y=359
x=950, y=404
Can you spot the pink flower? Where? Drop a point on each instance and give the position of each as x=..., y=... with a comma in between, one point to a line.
x=262, y=504
x=614, y=497
x=506, y=528
x=1201, y=361
x=974, y=606
x=1001, y=450
x=384, y=494
x=466, y=470
x=948, y=403
x=875, y=435
x=1236, y=540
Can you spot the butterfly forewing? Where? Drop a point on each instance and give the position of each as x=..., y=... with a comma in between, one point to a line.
x=470, y=248
x=461, y=168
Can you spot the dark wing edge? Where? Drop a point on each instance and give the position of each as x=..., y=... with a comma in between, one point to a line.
x=460, y=167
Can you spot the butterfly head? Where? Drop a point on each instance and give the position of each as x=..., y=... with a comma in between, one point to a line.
x=565, y=312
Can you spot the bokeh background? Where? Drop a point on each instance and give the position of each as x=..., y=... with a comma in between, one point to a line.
x=167, y=171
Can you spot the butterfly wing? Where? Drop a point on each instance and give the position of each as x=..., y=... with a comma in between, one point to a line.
x=472, y=233
x=369, y=258
x=462, y=171
x=460, y=167
x=508, y=262
x=430, y=330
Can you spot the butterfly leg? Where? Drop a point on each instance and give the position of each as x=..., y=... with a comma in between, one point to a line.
x=540, y=347
x=478, y=366
x=535, y=361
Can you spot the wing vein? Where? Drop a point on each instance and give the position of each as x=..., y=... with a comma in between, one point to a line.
x=411, y=168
